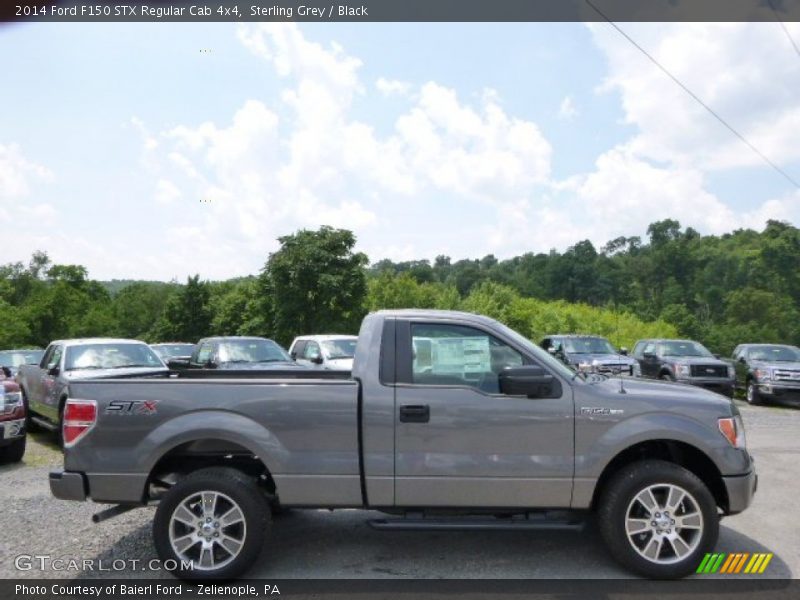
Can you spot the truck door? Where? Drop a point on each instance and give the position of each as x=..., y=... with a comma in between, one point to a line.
x=458, y=441
x=49, y=384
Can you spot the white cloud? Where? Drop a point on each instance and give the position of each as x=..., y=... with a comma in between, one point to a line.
x=166, y=192
x=746, y=72
x=567, y=109
x=17, y=173
x=392, y=87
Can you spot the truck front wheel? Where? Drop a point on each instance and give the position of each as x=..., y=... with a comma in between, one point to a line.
x=753, y=396
x=658, y=519
x=211, y=524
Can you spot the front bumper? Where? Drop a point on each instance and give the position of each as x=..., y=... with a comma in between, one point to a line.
x=741, y=489
x=66, y=485
x=721, y=386
x=779, y=389
x=11, y=431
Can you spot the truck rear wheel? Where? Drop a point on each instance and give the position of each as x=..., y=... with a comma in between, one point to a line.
x=212, y=524
x=658, y=519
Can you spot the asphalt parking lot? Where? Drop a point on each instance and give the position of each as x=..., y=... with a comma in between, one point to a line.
x=322, y=544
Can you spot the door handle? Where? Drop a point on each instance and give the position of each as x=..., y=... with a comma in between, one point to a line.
x=415, y=414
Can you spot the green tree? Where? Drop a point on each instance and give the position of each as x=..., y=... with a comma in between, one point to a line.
x=187, y=314
x=316, y=282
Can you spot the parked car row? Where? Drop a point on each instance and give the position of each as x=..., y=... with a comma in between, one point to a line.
x=763, y=371
x=43, y=376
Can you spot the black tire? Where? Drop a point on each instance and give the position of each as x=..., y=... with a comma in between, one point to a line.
x=666, y=377
x=13, y=452
x=30, y=425
x=752, y=394
x=238, y=488
x=618, y=497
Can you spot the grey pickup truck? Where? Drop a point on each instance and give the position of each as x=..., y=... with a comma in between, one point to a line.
x=448, y=421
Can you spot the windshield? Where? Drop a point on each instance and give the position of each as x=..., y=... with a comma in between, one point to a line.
x=251, y=351
x=684, y=349
x=111, y=356
x=588, y=345
x=170, y=350
x=775, y=353
x=542, y=356
x=17, y=358
x=341, y=348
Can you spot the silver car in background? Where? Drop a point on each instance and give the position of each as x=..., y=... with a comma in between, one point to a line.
x=331, y=351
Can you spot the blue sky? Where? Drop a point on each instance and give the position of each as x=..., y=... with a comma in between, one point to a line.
x=425, y=139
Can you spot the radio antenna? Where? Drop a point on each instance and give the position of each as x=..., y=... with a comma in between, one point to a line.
x=619, y=354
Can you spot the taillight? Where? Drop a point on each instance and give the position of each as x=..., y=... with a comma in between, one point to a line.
x=79, y=418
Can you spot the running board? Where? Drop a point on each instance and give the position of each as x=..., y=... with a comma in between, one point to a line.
x=43, y=423
x=462, y=523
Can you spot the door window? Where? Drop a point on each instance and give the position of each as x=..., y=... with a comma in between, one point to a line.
x=55, y=358
x=204, y=353
x=299, y=349
x=458, y=355
x=312, y=351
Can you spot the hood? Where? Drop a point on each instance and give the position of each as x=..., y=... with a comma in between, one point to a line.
x=664, y=391
x=77, y=374
x=339, y=364
x=256, y=366
x=604, y=359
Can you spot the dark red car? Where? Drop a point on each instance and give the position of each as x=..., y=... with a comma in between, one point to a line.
x=12, y=419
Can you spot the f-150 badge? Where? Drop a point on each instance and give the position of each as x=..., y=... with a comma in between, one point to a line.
x=599, y=411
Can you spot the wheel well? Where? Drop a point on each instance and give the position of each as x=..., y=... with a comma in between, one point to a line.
x=198, y=454
x=680, y=453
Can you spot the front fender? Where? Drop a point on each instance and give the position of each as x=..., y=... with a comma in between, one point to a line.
x=598, y=443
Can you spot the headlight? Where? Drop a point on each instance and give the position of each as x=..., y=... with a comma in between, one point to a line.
x=682, y=370
x=9, y=401
x=733, y=430
x=731, y=372
x=585, y=367
x=763, y=374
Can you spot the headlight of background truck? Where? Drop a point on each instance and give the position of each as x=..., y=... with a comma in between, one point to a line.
x=9, y=401
x=763, y=374
x=681, y=370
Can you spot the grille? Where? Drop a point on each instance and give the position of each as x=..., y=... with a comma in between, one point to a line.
x=614, y=369
x=786, y=375
x=709, y=371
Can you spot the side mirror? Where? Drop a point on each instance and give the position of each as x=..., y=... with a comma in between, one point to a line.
x=742, y=360
x=623, y=351
x=529, y=380
x=648, y=355
x=317, y=360
x=210, y=364
x=52, y=370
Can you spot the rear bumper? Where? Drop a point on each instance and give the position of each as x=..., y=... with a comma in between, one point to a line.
x=11, y=431
x=66, y=485
x=741, y=490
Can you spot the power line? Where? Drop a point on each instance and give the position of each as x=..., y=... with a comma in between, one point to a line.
x=763, y=156
x=785, y=30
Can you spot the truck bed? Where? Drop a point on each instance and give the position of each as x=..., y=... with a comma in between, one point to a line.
x=305, y=430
